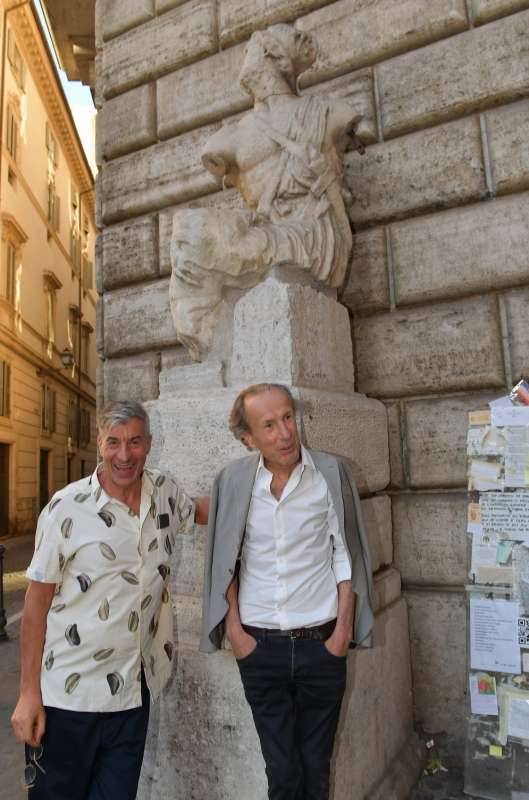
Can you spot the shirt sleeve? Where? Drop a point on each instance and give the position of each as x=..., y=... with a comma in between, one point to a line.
x=341, y=565
x=184, y=510
x=48, y=559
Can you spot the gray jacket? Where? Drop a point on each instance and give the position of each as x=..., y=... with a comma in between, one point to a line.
x=230, y=502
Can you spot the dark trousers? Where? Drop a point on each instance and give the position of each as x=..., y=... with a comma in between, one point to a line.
x=90, y=755
x=295, y=689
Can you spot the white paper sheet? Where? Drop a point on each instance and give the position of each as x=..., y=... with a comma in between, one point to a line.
x=483, y=697
x=494, y=635
x=485, y=474
x=517, y=457
x=506, y=514
x=518, y=721
x=506, y=415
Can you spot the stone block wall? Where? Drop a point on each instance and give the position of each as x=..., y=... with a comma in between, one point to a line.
x=439, y=286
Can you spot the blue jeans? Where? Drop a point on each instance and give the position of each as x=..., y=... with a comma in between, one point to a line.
x=295, y=689
x=91, y=755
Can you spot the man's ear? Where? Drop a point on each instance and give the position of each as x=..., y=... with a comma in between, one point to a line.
x=247, y=440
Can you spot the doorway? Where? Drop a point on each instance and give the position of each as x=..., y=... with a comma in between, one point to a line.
x=4, y=489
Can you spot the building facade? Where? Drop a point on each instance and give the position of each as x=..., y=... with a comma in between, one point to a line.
x=47, y=297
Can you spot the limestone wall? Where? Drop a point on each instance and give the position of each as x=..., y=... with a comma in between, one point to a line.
x=440, y=280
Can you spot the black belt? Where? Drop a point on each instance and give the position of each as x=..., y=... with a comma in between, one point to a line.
x=318, y=632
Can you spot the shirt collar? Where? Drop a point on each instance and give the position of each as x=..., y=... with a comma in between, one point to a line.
x=101, y=497
x=306, y=461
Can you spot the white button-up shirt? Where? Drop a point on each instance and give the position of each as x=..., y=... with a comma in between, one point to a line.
x=112, y=609
x=293, y=555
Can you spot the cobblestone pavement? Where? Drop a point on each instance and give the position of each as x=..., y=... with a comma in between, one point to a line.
x=441, y=786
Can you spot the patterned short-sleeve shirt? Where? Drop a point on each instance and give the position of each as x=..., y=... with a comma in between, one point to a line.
x=112, y=611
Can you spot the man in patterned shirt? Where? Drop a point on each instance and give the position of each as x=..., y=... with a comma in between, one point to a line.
x=97, y=630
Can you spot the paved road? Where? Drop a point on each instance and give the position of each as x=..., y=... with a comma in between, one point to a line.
x=443, y=786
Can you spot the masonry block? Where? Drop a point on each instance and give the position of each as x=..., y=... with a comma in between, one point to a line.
x=290, y=333
x=167, y=42
x=449, y=346
x=438, y=633
x=132, y=378
x=138, y=318
x=353, y=33
x=486, y=10
x=477, y=248
x=239, y=18
x=166, y=5
x=434, y=168
x=376, y=512
x=436, y=439
x=396, y=453
x=129, y=252
x=119, y=16
x=189, y=97
x=127, y=122
x=508, y=129
x=477, y=69
x=170, y=172
x=430, y=538
x=367, y=285
x=517, y=304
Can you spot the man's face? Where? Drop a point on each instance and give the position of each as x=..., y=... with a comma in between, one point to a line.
x=273, y=428
x=124, y=450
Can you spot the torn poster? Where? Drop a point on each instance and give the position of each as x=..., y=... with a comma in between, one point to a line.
x=494, y=635
x=485, y=474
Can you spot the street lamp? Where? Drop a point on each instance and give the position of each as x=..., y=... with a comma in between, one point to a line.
x=67, y=358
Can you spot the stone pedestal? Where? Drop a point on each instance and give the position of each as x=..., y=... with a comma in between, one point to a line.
x=202, y=743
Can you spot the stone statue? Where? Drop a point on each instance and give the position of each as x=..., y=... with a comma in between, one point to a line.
x=286, y=159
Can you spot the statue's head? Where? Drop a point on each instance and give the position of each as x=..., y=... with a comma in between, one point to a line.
x=279, y=51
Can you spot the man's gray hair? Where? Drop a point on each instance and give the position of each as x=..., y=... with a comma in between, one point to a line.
x=238, y=422
x=120, y=412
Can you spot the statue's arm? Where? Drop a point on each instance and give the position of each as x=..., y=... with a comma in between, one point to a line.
x=219, y=156
x=342, y=122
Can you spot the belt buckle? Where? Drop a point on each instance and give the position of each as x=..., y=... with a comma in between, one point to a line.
x=296, y=633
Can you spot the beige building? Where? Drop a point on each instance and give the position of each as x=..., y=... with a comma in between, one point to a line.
x=47, y=299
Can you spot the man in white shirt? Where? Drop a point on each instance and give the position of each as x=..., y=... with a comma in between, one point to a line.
x=288, y=553
x=97, y=630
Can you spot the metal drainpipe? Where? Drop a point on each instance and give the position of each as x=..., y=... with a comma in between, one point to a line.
x=79, y=323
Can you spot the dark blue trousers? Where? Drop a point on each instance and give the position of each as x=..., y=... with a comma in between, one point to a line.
x=90, y=755
x=295, y=689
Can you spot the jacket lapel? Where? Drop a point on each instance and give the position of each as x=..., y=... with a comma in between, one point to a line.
x=329, y=469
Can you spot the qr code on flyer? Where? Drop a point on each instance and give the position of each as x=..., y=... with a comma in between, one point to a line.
x=523, y=631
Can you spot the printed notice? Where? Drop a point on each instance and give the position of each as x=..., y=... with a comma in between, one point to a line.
x=518, y=722
x=506, y=514
x=485, y=441
x=494, y=635
x=483, y=697
x=517, y=457
x=506, y=415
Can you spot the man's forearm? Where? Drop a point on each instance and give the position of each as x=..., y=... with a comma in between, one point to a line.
x=346, y=609
x=33, y=635
x=233, y=619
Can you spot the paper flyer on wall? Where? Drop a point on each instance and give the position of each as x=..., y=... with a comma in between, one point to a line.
x=514, y=714
x=516, y=457
x=506, y=514
x=483, y=697
x=494, y=635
